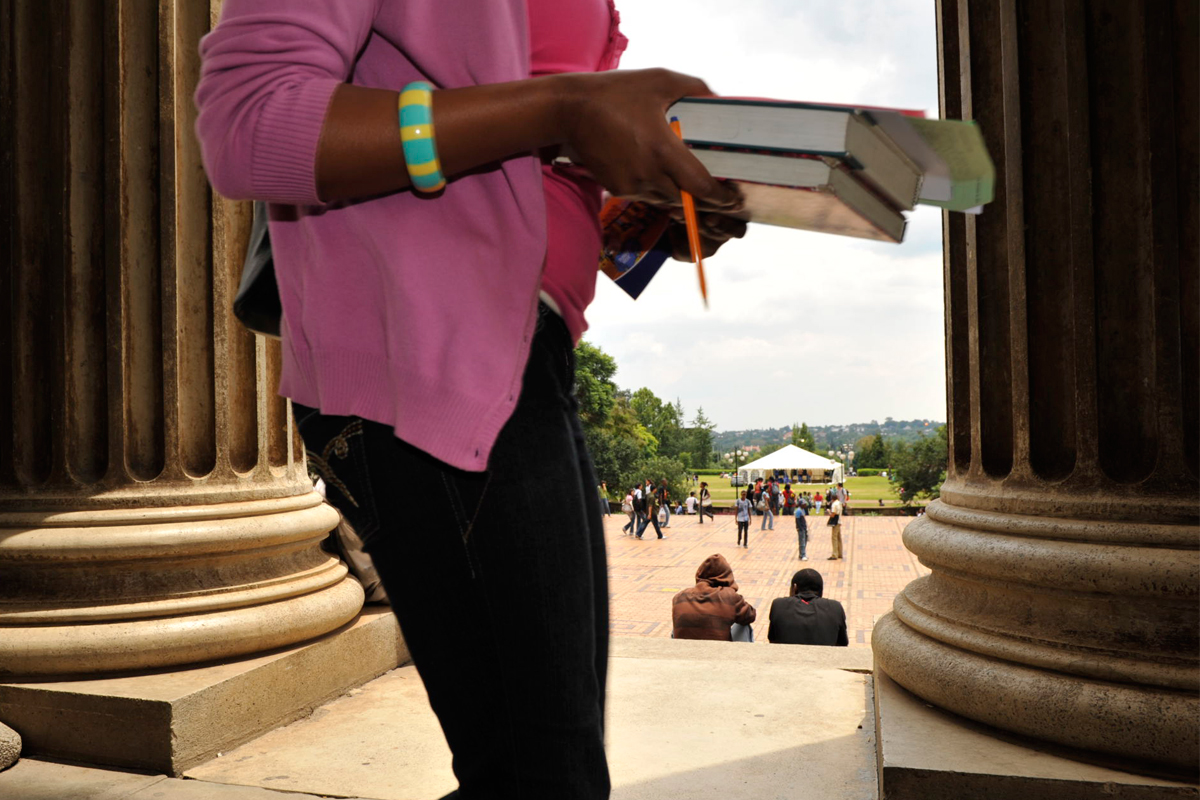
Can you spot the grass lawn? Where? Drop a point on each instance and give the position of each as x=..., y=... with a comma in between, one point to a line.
x=864, y=492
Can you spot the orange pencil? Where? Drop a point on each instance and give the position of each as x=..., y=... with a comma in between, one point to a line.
x=693, y=226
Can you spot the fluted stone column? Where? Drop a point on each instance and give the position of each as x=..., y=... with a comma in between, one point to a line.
x=154, y=503
x=1063, y=603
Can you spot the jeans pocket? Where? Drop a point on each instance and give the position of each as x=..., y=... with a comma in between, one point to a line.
x=336, y=451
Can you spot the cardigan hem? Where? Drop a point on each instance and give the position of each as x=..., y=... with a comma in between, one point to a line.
x=347, y=383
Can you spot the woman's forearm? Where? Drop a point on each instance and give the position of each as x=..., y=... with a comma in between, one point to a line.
x=615, y=123
x=360, y=154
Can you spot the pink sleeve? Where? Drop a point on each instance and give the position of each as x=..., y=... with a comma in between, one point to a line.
x=268, y=71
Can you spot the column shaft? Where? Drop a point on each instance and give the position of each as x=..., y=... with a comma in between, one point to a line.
x=155, y=507
x=1064, y=602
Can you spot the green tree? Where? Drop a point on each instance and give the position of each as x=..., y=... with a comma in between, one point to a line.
x=701, y=439
x=614, y=457
x=803, y=438
x=616, y=438
x=622, y=421
x=876, y=454
x=656, y=468
x=594, y=386
x=661, y=419
x=919, y=469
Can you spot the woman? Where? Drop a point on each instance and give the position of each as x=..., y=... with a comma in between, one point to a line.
x=768, y=509
x=428, y=328
x=743, y=521
x=627, y=507
x=705, y=502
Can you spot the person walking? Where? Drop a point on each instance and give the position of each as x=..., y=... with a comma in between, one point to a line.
x=627, y=508
x=844, y=496
x=429, y=323
x=802, y=529
x=664, y=500
x=767, y=503
x=639, y=509
x=705, y=502
x=605, y=507
x=743, y=521
x=651, y=511
x=835, y=529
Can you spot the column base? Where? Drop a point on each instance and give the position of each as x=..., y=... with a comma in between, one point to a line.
x=924, y=753
x=98, y=591
x=1142, y=728
x=167, y=722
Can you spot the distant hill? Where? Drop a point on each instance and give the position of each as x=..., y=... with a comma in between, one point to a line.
x=827, y=437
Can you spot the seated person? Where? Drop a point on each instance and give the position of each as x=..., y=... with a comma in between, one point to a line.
x=805, y=617
x=708, y=609
x=691, y=503
x=678, y=508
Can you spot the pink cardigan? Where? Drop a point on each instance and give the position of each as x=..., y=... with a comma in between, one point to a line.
x=414, y=312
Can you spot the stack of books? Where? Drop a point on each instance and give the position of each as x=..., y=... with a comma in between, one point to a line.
x=844, y=170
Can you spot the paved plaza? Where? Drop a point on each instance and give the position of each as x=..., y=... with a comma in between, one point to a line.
x=644, y=575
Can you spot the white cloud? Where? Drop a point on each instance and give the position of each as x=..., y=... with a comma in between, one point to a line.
x=802, y=326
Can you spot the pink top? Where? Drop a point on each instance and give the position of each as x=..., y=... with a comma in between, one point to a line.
x=572, y=36
x=415, y=312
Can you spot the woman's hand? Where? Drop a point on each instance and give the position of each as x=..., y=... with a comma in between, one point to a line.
x=615, y=123
x=715, y=230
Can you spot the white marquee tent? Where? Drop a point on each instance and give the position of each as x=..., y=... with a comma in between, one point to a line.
x=791, y=458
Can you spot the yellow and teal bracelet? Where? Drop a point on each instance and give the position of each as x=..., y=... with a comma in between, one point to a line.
x=416, y=134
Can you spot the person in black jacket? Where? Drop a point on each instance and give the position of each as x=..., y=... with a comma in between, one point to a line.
x=806, y=617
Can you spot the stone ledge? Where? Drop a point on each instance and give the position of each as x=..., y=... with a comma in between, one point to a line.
x=169, y=721
x=925, y=753
x=853, y=659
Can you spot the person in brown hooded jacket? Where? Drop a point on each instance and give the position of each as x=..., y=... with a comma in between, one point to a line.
x=708, y=609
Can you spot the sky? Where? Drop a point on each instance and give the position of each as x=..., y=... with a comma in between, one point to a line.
x=801, y=326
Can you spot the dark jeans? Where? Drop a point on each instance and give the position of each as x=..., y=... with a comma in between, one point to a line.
x=706, y=510
x=802, y=536
x=743, y=530
x=502, y=597
x=651, y=518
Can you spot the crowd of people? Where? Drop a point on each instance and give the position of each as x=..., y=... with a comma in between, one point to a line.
x=649, y=504
x=770, y=499
x=714, y=610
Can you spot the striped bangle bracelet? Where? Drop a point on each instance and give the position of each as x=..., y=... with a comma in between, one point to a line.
x=416, y=134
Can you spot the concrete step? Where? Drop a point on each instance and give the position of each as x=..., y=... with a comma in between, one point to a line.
x=685, y=719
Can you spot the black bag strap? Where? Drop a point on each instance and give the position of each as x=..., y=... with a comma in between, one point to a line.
x=256, y=304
